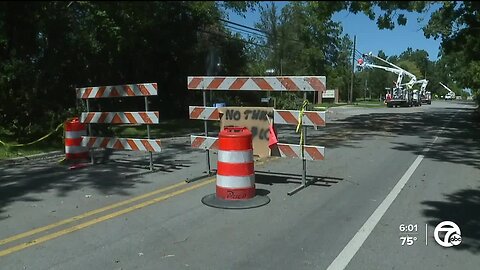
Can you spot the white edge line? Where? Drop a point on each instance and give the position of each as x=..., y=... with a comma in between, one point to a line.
x=426, y=234
x=342, y=260
x=346, y=255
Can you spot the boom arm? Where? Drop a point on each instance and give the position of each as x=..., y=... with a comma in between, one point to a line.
x=449, y=90
x=399, y=72
x=424, y=83
x=409, y=84
x=394, y=70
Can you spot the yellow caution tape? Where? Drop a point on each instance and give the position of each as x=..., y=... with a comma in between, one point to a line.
x=62, y=160
x=30, y=143
x=300, y=123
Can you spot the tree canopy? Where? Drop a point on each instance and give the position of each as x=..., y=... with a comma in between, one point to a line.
x=456, y=23
x=49, y=48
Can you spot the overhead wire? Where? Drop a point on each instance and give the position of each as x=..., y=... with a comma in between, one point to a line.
x=244, y=26
x=267, y=34
x=235, y=38
x=246, y=31
x=359, y=52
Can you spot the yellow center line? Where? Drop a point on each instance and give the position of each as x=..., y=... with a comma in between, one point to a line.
x=87, y=214
x=100, y=219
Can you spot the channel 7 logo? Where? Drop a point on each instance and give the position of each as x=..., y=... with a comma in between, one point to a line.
x=451, y=234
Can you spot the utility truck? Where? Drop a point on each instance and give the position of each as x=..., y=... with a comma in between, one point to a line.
x=424, y=96
x=427, y=98
x=401, y=94
x=416, y=100
x=450, y=95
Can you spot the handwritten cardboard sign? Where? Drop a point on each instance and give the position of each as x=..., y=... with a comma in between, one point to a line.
x=253, y=118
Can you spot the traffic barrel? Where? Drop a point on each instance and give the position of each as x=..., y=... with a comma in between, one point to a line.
x=74, y=130
x=235, y=186
x=235, y=169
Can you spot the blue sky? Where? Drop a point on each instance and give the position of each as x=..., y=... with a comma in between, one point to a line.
x=369, y=37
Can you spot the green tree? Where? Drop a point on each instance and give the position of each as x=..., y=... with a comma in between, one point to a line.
x=49, y=48
x=303, y=40
x=456, y=23
x=378, y=79
x=419, y=58
x=339, y=74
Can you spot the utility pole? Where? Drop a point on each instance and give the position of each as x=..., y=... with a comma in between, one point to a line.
x=281, y=67
x=365, y=92
x=426, y=66
x=350, y=96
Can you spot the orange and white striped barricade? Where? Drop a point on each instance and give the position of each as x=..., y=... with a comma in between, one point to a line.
x=281, y=117
x=235, y=187
x=128, y=90
x=120, y=117
x=264, y=83
x=290, y=117
x=204, y=142
x=146, y=145
x=304, y=84
x=144, y=117
x=311, y=152
x=301, y=151
x=237, y=83
x=204, y=113
x=74, y=130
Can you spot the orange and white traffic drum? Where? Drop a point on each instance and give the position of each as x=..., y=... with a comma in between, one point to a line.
x=74, y=130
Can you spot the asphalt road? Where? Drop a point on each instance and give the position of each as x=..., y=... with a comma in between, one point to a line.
x=383, y=168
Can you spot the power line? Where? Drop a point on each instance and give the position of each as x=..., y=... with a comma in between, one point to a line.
x=244, y=26
x=359, y=52
x=239, y=39
x=258, y=30
x=246, y=31
x=350, y=96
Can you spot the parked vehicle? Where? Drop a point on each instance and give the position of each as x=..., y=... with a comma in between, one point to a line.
x=425, y=96
x=416, y=101
x=451, y=95
x=401, y=94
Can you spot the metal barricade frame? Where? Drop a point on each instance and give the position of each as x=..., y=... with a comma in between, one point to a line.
x=146, y=117
x=281, y=117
